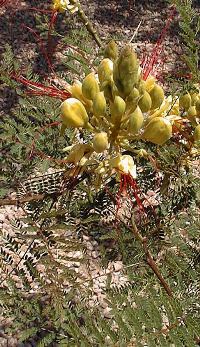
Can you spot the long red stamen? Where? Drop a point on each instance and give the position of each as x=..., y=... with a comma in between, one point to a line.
x=42, y=48
x=132, y=184
x=36, y=88
x=150, y=62
x=51, y=25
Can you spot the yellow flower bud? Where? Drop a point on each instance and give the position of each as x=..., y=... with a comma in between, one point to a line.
x=195, y=98
x=136, y=120
x=76, y=91
x=145, y=102
x=117, y=109
x=185, y=101
x=100, y=142
x=192, y=111
x=149, y=83
x=125, y=164
x=128, y=63
x=105, y=70
x=99, y=105
x=196, y=135
x=73, y=114
x=157, y=96
x=90, y=86
x=107, y=88
x=132, y=100
x=197, y=105
x=158, y=131
x=134, y=95
x=126, y=71
x=111, y=50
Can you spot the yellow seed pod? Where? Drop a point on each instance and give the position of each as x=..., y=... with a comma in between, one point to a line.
x=105, y=70
x=158, y=131
x=145, y=102
x=185, y=101
x=100, y=142
x=136, y=120
x=73, y=114
x=191, y=111
x=149, y=83
x=196, y=135
x=117, y=109
x=99, y=105
x=111, y=50
x=90, y=86
x=157, y=96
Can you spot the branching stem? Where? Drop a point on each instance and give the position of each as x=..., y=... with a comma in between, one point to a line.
x=149, y=258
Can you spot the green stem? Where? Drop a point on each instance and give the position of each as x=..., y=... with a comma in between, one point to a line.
x=87, y=22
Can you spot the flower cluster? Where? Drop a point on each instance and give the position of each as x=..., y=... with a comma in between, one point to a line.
x=117, y=106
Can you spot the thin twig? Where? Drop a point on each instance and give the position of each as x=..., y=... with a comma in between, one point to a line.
x=135, y=32
x=149, y=258
x=87, y=22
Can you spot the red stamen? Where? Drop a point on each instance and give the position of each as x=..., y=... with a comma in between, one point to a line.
x=42, y=48
x=37, y=88
x=51, y=25
x=151, y=61
x=134, y=189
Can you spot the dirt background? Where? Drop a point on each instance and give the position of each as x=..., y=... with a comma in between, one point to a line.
x=116, y=18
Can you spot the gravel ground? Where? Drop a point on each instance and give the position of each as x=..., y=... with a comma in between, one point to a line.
x=118, y=18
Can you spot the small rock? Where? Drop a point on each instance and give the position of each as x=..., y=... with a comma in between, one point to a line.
x=118, y=266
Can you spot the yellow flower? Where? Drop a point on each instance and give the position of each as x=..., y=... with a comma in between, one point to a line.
x=125, y=164
x=63, y=5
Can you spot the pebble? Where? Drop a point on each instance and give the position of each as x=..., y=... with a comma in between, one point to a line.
x=118, y=266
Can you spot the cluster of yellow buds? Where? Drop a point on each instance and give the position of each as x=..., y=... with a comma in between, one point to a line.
x=189, y=105
x=117, y=106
